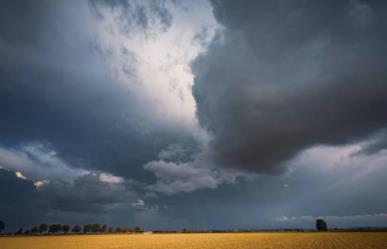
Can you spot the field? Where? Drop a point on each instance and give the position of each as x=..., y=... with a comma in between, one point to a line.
x=327, y=240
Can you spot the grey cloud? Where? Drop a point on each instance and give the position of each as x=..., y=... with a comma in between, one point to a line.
x=64, y=188
x=87, y=193
x=375, y=219
x=316, y=188
x=377, y=143
x=20, y=33
x=62, y=116
x=285, y=76
x=179, y=152
x=134, y=15
x=37, y=162
x=56, y=90
x=282, y=77
x=17, y=195
x=86, y=199
x=186, y=177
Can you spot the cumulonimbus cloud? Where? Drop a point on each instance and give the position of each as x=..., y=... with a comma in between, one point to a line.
x=286, y=76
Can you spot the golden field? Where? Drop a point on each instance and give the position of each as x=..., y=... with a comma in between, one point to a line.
x=278, y=240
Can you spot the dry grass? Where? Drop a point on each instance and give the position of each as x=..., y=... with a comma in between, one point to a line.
x=202, y=241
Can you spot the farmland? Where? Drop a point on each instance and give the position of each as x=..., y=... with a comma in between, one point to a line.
x=356, y=240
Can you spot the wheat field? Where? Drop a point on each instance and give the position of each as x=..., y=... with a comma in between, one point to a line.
x=202, y=241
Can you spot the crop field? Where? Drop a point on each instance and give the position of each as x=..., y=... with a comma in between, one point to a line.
x=328, y=240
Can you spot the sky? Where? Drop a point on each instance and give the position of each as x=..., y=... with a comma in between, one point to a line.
x=177, y=114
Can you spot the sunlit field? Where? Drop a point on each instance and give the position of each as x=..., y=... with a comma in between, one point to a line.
x=327, y=240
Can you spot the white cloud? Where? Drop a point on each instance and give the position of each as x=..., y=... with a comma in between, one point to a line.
x=108, y=178
x=154, y=61
x=39, y=184
x=138, y=203
x=20, y=175
x=282, y=218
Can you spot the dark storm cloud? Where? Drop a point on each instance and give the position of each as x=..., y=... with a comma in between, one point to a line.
x=87, y=194
x=18, y=199
x=55, y=89
x=57, y=97
x=312, y=190
x=18, y=32
x=286, y=76
x=61, y=114
x=88, y=198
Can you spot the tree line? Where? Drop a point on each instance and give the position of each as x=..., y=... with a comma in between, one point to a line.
x=65, y=229
x=44, y=228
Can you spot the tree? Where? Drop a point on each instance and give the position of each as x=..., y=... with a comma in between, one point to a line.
x=86, y=228
x=34, y=230
x=20, y=231
x=42, y=228
x=137, y=229
x=2, y=226
x=66, y=228
x=76, y=229
x=95, y=228
x=118, y=230
x=54, y=228
x=110, y=230
x=321, y=225
x=103, y=229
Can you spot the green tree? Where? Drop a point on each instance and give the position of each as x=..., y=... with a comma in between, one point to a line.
x=321, y=225
x=42, y=228
x=110, y=230
x=66, y=228
x=76, y=229
x=118, y=230
x=95, y=228
x=55, y=228
x=20, y=231
x=137, y=229
x=103, y=229
x=34, y=230
x=2, y=226
x=86, y=228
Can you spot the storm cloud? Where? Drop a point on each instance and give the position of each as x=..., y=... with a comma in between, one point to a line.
x=16, y=195
x=196, y=114
x=286, y=76
x=56, y=89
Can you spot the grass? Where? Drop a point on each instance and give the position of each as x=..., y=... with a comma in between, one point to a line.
x=356, y=240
